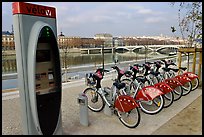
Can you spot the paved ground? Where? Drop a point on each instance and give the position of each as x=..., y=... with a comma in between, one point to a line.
x=183, y=117
x=187, y=122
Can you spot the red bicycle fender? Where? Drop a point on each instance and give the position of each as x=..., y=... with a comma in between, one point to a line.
x=148, y=93
x=125, y=103
x=141, y=96
x=165, y=88
x=172, y=82
x=190, y=75
x=183, y=79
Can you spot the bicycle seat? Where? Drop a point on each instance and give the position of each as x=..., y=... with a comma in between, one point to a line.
x=134, y=68
x=128, y=73
x=175, y=70
x=183, y=68
x=166, y=69
x=119, y=85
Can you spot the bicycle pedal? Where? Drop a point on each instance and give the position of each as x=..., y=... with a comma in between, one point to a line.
x=115, y=112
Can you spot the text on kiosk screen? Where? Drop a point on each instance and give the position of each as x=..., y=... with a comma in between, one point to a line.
x=43, y=55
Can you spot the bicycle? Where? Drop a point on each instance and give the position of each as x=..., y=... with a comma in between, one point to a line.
x=184, y=79
x=153, y=80
x=193, y=77
x=149, y=98
x=182, y=71
x=174, y=83
x=123, y=105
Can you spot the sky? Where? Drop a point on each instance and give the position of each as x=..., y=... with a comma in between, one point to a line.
x=85, y=19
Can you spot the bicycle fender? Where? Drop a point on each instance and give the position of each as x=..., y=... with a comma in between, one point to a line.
x=148, y=93
x=125, y=103
x=172, y=82
x=183, y=79
x=190, y=75
x=164, y=87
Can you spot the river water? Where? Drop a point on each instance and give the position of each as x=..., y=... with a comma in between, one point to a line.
x=78, y=60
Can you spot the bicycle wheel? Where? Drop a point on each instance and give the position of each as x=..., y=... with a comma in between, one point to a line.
x=195, y=83
x=129, y=89
x=178, y=92
x=166, y=75
x=146, y=83
x=152, y=106
x=187, y=88
x=168, y=99
x=130, y=119
x=95, y=100
x=153, y=79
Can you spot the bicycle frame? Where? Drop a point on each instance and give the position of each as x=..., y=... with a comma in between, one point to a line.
x=123, y=103
x=183, y=79
x=147, y=93
x=190, y=75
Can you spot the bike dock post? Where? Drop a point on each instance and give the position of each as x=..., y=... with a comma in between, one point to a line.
x=107, y=110
x=83, y=106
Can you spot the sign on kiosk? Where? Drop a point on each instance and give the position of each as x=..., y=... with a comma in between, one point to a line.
x=35, y=10
x=38, y=66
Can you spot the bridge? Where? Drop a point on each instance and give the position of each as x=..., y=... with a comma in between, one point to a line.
x=155, y=48
x=97, y=50
x=135, y=48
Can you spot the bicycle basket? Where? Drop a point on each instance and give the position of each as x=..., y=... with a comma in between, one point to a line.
x=89, y=80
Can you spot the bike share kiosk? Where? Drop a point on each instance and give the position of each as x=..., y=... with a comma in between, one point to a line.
x=39, y=70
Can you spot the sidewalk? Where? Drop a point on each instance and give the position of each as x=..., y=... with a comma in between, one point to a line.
x=187, y=122
x=101, y=124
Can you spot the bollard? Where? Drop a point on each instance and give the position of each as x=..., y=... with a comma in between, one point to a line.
x=83, y=107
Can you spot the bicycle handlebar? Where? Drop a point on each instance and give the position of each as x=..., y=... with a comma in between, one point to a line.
x=169, y=62
x=102, y=70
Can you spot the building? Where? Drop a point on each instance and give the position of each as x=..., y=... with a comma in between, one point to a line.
x=99, y=39
x=7, y=41
x=118, y=42
x=68, y=42
x=107, y=38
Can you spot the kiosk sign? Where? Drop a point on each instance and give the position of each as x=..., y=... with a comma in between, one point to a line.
x=33, y=9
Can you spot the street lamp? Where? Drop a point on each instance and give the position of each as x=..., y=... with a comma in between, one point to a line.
x=103, y=57
x=145, y=52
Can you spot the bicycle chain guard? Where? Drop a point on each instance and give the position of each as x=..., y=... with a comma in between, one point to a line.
x=183, y=79
x=164, y=87
x=148, y=93
x=125, y=103
x=190, y=75
x=172, y=82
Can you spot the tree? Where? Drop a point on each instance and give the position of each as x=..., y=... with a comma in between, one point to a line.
x=191, y=24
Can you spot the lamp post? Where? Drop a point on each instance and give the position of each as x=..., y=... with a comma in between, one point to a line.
x=103, y=57
x=145, y=52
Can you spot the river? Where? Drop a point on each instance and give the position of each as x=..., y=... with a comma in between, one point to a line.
x=77, y=60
